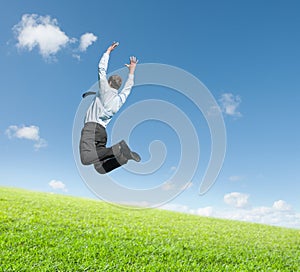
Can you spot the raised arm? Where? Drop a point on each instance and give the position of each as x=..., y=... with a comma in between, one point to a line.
x=103, y=63
x=129, y=83
x=132, y=65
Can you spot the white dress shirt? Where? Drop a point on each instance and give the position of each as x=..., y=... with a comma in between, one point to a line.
x=107, y=100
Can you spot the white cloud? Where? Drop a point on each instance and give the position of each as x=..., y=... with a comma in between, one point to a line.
x=281, y=205
x=40, y=143
x=177, y=208
x=86, y=40
x=28, y=133
x=274, y=215
x=58, y=185
x=279, y=214
x=229, y=104
x=207, y=211
x=42, y=32
x=237, y=200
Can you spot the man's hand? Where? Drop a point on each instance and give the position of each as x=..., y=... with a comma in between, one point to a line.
x=112, y=47
x=132, y=65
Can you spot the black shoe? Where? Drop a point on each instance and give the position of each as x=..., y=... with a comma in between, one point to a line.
x=135, y=156
x=125, y=149
x=130, y=155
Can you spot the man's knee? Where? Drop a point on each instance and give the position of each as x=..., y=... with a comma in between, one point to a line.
x=99, y=168
x=86, y=158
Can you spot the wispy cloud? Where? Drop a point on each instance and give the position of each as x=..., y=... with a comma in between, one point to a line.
x=206, y=211
x=44, y=33
x=229, y=104
x=281, y=205
x=279, y=214
x=31, y=133
x=58, y=185
x=86, y=40
x=177, y=208
x=237, y=200
x=76, y=56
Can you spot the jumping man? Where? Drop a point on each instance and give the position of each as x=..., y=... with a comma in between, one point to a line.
x=108, y=100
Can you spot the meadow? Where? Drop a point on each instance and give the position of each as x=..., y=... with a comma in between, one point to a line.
x=51, y=232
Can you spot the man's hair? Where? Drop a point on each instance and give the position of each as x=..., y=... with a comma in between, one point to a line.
x=115, y=81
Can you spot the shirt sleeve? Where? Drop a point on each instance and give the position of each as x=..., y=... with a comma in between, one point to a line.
x=102, y=68
x=124, y=93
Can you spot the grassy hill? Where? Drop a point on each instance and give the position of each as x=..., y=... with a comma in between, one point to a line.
x=47, y=232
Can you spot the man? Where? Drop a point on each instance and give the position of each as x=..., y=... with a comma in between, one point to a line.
x=106, y=103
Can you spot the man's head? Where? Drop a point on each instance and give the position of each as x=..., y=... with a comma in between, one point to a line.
x=115, y=81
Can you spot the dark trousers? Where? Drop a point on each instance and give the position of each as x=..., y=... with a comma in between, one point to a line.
x=93, y=149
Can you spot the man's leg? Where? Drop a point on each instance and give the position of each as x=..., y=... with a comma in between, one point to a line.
x=104, y=167
x=93, y=144
x=93, y=149
x=120, y=151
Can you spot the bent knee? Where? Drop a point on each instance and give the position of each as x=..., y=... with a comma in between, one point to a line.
x=86, y=159
x=99, y=168
x=101, y=171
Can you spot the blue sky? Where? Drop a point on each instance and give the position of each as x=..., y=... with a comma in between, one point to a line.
x=246, y=53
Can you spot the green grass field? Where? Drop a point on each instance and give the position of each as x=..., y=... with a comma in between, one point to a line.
x=47, y=232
